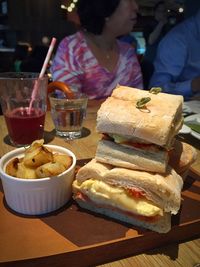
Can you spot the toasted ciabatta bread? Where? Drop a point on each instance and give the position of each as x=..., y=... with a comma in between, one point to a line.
x=132, y=157
x=182, y=156
x=131, y=196
x=158, y=123
x=163, y=225
x=162, y=189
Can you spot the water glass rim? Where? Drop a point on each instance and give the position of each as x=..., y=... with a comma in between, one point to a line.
x=77, y=96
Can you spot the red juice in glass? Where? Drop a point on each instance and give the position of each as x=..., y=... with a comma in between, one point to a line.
x=25, y=126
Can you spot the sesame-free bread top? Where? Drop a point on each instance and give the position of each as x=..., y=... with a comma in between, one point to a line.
x=158, y=123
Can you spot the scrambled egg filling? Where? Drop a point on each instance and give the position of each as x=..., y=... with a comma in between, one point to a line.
x=105, y=194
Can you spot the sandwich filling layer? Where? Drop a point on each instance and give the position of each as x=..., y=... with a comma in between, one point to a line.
x=117, y=197
x=132, y=142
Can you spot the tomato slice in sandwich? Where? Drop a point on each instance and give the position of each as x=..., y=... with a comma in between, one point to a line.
x=135, y=193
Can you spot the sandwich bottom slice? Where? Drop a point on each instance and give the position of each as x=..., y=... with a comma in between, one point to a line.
x=136, y=197
x=162, y=225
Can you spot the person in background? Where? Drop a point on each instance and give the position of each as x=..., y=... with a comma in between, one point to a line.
x=93, y=60
x=21, y=54
x=177, y=64
x=35, y=60
x=130, y=39
x=153, y=33
x=156, y=30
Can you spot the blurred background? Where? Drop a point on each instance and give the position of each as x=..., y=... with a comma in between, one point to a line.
x=27, y=26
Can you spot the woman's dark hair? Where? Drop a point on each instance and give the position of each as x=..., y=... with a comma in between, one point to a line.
x=92, y=13
x=159, y=3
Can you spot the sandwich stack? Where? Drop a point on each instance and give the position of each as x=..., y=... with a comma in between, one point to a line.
x=135, y=175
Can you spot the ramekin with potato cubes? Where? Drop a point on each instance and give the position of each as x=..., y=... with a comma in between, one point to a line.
x=38, y=179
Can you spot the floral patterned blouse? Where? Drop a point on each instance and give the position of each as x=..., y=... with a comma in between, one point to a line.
x=75, y=65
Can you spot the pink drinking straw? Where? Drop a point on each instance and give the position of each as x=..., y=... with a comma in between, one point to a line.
x=42, y=72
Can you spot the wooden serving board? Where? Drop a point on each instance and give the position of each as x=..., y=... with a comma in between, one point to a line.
x=74, y=237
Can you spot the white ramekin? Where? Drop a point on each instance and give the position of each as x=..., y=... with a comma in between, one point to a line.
x=37, y=196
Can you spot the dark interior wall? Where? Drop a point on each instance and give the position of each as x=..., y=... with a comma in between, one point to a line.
x=33, y=19
x=28, y=21
x=191, y=7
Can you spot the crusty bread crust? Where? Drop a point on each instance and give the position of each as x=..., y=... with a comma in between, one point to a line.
x=162, y=189
x=129, y=93
x=118, y=155
x=161, y=226
x=92, y=169
x=182, y=156
x=158, y=123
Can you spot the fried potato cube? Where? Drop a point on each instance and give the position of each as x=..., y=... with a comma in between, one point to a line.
x=12, y=166
x=50, y=169
x=25, y=172
x=63, y=159
x=36, y=144
x=38, y=157
x=38, y=162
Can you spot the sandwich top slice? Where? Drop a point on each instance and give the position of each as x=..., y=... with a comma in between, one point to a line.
x=136, y=197
x=121, y=118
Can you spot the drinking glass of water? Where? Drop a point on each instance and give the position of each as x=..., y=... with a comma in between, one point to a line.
x=68, y=114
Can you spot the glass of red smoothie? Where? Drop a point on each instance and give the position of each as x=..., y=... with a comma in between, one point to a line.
x=23, y=110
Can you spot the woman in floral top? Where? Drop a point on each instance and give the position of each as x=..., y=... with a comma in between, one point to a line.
x=93, y=60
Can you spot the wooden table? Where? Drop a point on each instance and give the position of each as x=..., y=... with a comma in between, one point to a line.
x=48, y=240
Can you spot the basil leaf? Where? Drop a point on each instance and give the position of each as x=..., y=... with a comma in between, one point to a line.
x=142, y=102
x=155, y=90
